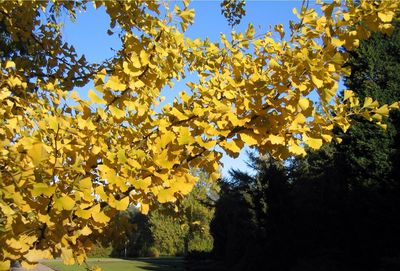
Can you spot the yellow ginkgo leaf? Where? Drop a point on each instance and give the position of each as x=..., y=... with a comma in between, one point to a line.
x=304, y=103
x=136, y=84
x=144, y=57
x=17, y=244
x=142, y=183
x=100, y=217
x=328, y=93
x=85, y=183
x=5, y=265
x=67, y=256
x=88, y=212
x=144, y=208
x=45, y=219
x=185, y=137
x=166, y=195
x=133, y=163
x=383, y=110
x=273, y=63
x=122, y=204
x=163, y=160
x=326, y=137
x=115, y=84
x=297, y=150
x=314, y=143
x=386, y=16
x=85, y=214
x=249, y=140
x=337, y=42
x=116, y=112
x=94, y=98
x=277, y=140
x=9, y=64
x=338, y=140
x=370, y=103
x=135, y=62
x=64, y=203
x=35, y=255
x=179, y=115
x=4, y=94
x=347, y=94
x=42, y=189
x=317, y=82
x=183, y=184
x=395, y=105
x=53, y=123
x=230, y=147
x=382, y=125
x=85, y=231
x=38, y=153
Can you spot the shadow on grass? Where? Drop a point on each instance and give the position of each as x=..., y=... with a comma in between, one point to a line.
x=176, y=263
x=119, y=264
x=163, y=263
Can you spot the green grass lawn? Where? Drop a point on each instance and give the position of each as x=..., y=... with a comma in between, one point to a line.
x=109, y=264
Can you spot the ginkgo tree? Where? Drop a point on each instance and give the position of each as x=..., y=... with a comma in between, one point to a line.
x=68, y=164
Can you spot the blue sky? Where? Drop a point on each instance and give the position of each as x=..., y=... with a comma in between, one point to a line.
x=89, y=37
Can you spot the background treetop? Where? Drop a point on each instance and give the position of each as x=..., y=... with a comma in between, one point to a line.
x=68, y=164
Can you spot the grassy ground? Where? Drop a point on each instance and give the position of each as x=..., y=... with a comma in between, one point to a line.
x=109, y=264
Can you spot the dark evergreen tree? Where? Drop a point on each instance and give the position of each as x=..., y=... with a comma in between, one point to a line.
x=251, y=228
x=347, y=195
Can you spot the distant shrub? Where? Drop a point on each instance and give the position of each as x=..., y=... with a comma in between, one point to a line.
x=153, y=252
x=99, y=251
x=167, y=233
x=201, y=242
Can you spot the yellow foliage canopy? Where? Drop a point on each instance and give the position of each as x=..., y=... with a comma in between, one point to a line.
x=69, y=164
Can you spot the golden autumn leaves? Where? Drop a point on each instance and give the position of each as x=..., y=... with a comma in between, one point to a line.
x=69, y=164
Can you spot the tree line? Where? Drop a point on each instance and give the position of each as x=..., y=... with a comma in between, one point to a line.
x=170, y=230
